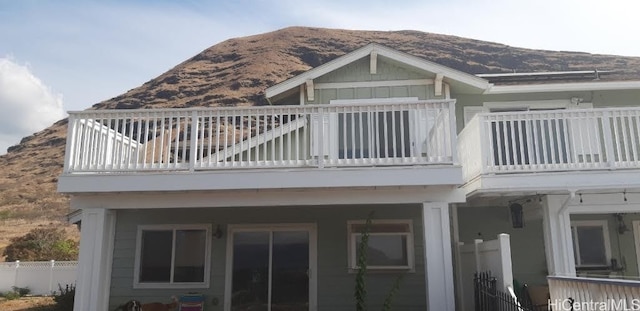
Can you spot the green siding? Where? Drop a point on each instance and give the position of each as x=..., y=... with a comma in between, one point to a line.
x=623, y=247
x=335, y=283
x=358, y=71
x=600, y=99
x=527, y=244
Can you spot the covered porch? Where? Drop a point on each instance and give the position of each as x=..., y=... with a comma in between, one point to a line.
x=318, y=227
x=574, y=237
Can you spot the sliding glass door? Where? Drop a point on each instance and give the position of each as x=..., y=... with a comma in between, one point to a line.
x=271, y=268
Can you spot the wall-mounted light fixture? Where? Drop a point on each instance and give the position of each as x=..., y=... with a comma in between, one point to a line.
x=218, y=233
x=517, y=215
x=622, y=227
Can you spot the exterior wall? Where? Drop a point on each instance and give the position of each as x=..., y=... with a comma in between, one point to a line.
x=599, y=99
x=527, y=244
x=359, y=72
x=335, y=283
x=623, y=247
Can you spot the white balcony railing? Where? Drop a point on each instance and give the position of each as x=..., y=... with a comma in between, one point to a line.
x=577, y=293
x=552, y=140
x=406, y=133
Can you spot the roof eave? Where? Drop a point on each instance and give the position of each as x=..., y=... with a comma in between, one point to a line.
x=563, y=87
x=317, y=71
x=449, y=73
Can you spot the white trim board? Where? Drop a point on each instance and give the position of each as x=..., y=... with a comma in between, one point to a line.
x=552, y=182
x=357, y=84
x=266, y=198
x=388, y=100
x=470, y=111
x=564, y=87
x=238, y=179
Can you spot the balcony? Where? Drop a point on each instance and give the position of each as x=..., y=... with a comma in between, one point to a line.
x=580, y=293
x=401, y=135
x=580, y=148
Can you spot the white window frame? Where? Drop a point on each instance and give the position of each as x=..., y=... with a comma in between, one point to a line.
x=417, y=124
x=174, y=228
x=605, y=234
x=353, y=238
x=313, y=255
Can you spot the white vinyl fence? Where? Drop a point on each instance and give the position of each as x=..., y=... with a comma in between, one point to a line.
x=41, y=277
x=483, y=256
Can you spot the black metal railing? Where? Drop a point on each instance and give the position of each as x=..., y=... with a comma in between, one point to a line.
x=487, y=296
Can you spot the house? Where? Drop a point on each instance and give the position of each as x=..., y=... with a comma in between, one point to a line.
x=262, y=207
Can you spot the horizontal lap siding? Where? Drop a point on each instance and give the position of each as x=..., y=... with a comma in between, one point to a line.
x=335, y=283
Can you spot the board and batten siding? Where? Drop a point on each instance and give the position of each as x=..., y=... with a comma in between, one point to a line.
x=335, y=283
x=358, y=71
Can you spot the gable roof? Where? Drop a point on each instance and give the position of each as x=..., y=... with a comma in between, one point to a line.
x=450, y=75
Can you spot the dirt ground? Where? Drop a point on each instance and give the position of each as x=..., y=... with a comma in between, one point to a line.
x=26, y=304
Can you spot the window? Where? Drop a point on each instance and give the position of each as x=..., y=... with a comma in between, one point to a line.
x=172, y=256
x=591, y=243
x=390, y=244
x=361, y=133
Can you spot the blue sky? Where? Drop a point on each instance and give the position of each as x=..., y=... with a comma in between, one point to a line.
x=77, y=53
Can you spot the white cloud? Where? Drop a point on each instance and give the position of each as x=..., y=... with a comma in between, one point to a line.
x=26, y=104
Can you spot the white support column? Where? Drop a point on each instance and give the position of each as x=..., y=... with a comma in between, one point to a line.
x=94, y=266
x=557, y=236
x=309, y=85
x=437, y=254
x=438, y=84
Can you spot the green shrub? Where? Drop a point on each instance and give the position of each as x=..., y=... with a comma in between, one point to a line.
x=22, y=291
x=64, y=298
x=15, y=293
x=42, y=244
x=10, y=295
x=360, y=293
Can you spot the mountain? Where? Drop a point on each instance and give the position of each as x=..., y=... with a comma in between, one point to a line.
x=236, y=72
